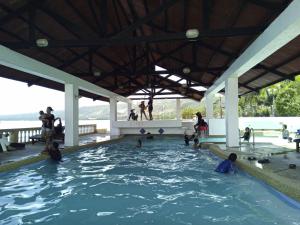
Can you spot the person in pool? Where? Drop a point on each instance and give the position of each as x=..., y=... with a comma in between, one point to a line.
x=187, y=139
x=139, y=143
x=227, y=165
x=149, y=136
x=196, y=143
x=54, y=152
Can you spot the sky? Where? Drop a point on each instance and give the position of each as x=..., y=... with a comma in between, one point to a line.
x=16, y=97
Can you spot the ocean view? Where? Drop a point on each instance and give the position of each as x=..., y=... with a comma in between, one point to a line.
x=36, y=123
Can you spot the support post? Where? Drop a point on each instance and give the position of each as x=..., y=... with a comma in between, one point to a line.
x=232, y=116
x=71, y=115
x=209, y=105
x=113, y=117
x=129, y=105
x=178, y=109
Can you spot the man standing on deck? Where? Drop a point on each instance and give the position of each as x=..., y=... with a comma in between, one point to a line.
x=49, y=128
x=150, y=107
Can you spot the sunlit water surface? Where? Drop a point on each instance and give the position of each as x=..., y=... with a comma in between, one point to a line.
x=164, y=182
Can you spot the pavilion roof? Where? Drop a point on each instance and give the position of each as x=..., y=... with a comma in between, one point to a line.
x=116, y=44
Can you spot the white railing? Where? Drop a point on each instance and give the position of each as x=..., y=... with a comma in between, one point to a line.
x=87, y=129
x=21, y=135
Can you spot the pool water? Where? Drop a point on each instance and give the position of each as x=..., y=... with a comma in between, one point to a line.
x=164, y=182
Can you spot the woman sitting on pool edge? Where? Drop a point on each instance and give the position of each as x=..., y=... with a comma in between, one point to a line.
x=227, y=165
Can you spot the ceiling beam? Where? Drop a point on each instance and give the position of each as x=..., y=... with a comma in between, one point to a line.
x=15, y=13
x=206, y=10
x=174, y=71
x=273, y=68
x=163, y=6
x=281, y=31
x=93, y=43
x=269, y=4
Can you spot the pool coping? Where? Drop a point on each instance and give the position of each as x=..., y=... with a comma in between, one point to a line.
x=285, y=185
x=68, y=150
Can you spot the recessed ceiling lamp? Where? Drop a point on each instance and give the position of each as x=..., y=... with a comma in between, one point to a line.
x=186, y=70
x=97, y=73
x=42, y=42
x=192, y=33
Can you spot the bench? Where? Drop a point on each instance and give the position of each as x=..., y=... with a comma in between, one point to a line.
x=297, y=140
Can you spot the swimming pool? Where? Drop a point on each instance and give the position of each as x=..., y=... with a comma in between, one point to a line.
x=164, y=182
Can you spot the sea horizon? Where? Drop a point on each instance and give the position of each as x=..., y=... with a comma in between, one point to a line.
x=13, y=124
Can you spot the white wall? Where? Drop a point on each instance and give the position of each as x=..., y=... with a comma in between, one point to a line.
x=217, y=126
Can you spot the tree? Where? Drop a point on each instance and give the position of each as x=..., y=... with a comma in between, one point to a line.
x=288, y=99
x=281, y=99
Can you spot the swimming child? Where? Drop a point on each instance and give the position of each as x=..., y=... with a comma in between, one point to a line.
x=227, y=165
x=149, y=136
x=139, y=143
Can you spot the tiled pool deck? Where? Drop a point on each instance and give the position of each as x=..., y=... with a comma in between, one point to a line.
x=276, y=173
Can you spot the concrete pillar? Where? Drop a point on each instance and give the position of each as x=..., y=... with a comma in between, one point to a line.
x=232, y=116
x=71, y=115
x=178, y=109
x=209, y=105
x=113, y=117
x=129, y=105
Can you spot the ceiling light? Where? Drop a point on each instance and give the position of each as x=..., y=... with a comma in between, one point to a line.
x=186, y=70
x=192, y=33
x=42, y=42
x=97, y=73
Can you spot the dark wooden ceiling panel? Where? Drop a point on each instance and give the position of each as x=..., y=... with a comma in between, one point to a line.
x=125, y=39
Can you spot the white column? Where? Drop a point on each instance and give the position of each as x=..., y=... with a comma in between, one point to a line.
x=113, y=117
x=178, y=109
x=71, y=115
x=209, y=105
x=232, y=116
x=129, y=105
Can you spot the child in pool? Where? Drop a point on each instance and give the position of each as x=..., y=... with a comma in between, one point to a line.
x=187, y=139
x=227, y=165
x=196, y=143
x=54, y=152
x=139, y=143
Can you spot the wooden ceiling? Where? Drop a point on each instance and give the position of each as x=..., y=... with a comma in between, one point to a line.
x=123, y=40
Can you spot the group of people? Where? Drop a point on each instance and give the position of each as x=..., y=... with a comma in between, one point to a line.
x=48, y=131
x=143, y=109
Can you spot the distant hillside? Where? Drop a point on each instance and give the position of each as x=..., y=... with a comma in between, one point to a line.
x=101, y=112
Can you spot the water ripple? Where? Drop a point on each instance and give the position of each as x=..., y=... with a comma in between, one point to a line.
x=164, y=182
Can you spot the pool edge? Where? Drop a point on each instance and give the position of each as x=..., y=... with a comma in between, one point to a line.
x=287, y=186
x=34, y=159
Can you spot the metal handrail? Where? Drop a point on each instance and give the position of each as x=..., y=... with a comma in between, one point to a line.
x=253, y=137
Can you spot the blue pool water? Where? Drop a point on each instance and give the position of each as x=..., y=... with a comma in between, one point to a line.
x=164, y=182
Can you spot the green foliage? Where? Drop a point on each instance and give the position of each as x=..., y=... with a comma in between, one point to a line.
x=189, y=112
x=282, y=99
x=288, y=100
